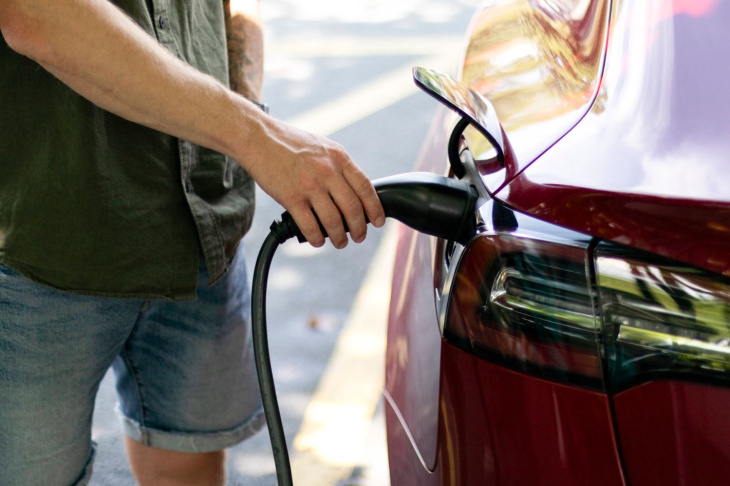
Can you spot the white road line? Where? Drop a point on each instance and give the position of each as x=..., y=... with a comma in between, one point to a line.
x=330, y=46
x=361, y=102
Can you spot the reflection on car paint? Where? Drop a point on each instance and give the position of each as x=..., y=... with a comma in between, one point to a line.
x=539, y=63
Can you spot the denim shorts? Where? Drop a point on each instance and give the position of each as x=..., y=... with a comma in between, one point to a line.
x=185, y=372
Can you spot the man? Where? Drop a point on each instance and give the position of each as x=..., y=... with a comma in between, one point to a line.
x=119, y=203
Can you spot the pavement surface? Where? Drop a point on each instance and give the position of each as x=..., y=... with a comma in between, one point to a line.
x=341, y=69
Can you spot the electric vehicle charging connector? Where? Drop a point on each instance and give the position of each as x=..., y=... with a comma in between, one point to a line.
x=428, y=203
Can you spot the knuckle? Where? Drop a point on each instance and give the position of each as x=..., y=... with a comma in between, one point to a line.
x=337, y=149
x=313, y=235
x=360, y=182
x=309, y=183
x=298, y=204
x=331, y=220
x=352, y=209
x=339, y=155
x=364, y=187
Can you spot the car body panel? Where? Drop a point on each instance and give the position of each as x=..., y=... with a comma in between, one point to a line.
x=532, y=432
x=406, y=467
x=503, y=427
x=648, y=163
x=539, y=63
x=674, y=433
x=414, y=338
x=680, y=229
x=413, y=357
x=537, y=23
x=634, y=154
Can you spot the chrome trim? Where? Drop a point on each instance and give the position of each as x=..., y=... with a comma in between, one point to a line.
x=442, y=300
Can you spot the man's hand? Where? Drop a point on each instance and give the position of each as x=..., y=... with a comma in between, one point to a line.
x=305, y=172
x=299, y=170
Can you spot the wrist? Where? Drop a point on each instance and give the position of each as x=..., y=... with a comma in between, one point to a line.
x=249, y=132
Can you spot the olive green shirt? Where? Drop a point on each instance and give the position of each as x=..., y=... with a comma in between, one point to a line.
x=95, y=204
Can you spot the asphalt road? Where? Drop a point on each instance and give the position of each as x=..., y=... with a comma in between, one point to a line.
x=340, y=69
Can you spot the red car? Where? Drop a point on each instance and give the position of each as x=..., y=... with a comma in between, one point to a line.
x=582, y=336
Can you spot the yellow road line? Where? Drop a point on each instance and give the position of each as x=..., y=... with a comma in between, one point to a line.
x=337, y=419
x=339, y=415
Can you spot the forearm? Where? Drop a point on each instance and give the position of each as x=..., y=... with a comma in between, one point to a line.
x=245, y=47
x=99, y=52
x=94, y=48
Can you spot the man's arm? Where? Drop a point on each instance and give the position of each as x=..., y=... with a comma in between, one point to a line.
x=245, y=41
x=94, y=48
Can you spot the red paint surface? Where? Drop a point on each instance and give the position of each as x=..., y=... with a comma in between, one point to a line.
x=414, y=337
x=539, y=63
x=405, y=467
x=506, y=428
x=648, y=165
x=675, y=434
x=693, y=231
x=502, y=428
x=413, y=352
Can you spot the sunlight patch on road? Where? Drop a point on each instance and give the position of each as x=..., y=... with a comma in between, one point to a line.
x=287, y=278
x=290, y=49
x=293, y=249
x=364, y=11
x=367, y=99
x=254, y=464
x=338, y=418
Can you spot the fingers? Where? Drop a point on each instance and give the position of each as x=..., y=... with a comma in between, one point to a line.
x=340, y=204
x=350, y=209
x=365, y=191
x=314, y=175
x=307, y=223
x=342, y=193
x=355, y=199
x=331, y=220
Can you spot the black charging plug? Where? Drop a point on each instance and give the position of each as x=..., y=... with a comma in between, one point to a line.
x=428, y=203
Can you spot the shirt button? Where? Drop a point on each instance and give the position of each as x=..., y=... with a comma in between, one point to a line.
x=162, y=22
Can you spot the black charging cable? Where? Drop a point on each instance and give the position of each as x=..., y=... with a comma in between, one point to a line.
x=277, y=236
x=428, y=203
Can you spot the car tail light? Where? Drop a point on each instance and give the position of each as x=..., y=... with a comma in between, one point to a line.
x=524, y=300
x=662, y=318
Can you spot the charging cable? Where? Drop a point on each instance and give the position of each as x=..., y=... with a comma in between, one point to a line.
x=428, y=203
